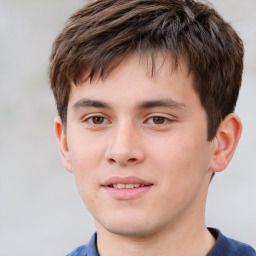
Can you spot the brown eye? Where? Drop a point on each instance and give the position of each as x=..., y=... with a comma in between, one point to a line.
x=97, y=120
x=158, y=120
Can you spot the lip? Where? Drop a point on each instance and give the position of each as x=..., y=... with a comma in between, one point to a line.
x=125, y=180
x=126, y=193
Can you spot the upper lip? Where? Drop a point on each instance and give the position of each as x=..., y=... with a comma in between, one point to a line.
x=125, y=180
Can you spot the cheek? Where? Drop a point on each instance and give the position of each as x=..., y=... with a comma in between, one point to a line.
x=85, y=160
x=182, y=170
x=182, y=160
x=85, y=152
x=173, y=154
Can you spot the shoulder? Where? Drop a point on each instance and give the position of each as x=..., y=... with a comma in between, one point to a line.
x=79, y=251
x=86, y=250
x=241, y=249
x=229, y=247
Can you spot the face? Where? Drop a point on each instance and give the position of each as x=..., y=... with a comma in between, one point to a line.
x=138, y=148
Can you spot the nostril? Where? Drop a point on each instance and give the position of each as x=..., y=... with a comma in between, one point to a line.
x=112, y=160
x=132, y=160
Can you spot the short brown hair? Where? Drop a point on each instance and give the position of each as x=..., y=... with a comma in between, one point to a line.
x=101, y=34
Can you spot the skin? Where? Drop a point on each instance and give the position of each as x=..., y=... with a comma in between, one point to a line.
x=154, y=129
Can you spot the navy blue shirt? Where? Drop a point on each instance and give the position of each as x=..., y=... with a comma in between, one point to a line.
x=223, y=247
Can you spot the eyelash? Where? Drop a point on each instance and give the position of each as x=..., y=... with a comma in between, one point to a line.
x=95, y=117
x=164, y=120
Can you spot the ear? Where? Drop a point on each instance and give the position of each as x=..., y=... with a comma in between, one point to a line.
x=63, y=145
x=225, y=143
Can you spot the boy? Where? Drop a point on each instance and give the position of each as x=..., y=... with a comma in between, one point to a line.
x=145, y=91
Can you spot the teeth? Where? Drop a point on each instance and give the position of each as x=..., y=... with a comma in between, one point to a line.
x=132, y=185
x=119, y=185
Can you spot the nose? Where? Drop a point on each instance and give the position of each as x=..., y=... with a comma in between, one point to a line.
x=125, y=147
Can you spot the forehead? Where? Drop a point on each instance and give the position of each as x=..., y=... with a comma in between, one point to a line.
x=154, y=65
x=138, y=77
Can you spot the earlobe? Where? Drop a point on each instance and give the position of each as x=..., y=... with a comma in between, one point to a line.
x=225, y=142
x=62, y=141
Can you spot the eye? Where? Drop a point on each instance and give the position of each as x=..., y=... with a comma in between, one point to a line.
x=96, y=120
x=158, y=120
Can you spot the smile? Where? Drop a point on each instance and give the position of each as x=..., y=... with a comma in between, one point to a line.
x=126, y=186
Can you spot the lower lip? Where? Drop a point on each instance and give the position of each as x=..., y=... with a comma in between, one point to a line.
x=127, y=193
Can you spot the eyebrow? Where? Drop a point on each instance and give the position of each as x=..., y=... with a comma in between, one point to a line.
x=83, y=103
x=168, y=102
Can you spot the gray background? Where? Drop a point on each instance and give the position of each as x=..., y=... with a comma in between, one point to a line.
x=41, y=212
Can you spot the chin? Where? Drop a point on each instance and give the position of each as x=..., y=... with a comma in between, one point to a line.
x=126, y=226
x=129, y=231
x=131, y=227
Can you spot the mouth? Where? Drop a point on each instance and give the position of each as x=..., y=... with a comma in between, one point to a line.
x=126, y=188
x=128, y=182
